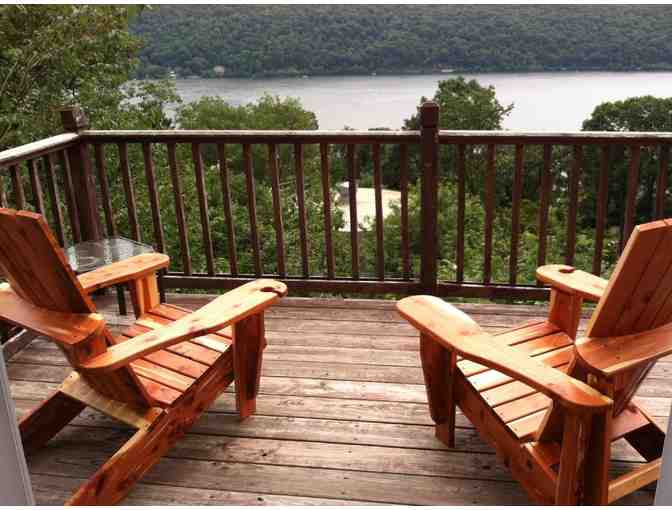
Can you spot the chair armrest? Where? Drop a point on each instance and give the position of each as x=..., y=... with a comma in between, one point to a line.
x=68, y=329
x=123, y=271
x=612, y=355
x=246, y=300
x=572, y=280
x=456, y=331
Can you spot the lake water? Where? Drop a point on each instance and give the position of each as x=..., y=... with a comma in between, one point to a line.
x=542, y=101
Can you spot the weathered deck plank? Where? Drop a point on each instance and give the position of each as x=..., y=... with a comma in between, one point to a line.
x=341, y=419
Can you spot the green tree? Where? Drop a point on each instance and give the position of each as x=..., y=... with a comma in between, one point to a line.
x=644, y=113
x=52, y=55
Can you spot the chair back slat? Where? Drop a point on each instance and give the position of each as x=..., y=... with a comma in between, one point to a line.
x=639, y=294
x=35, y=265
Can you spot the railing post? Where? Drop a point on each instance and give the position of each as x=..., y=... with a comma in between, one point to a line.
x=74, y=120
x=429, y=160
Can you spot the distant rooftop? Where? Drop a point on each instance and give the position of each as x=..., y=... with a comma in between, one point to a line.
x=366, y=204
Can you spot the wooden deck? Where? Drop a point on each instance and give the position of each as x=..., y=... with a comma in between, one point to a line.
x=341, y=419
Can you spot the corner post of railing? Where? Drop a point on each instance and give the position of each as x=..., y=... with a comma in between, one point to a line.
x=74, y=120
x=429, y=178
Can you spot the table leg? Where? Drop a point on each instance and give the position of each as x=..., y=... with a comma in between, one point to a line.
x=121, y=299
x=162, y=289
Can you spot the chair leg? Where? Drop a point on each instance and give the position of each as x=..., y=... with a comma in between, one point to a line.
x=598, y=454
x=118, y=475
x=575, y=437
x=121, y=299
x=248, y=346
x=438, y=367
x=45, y=421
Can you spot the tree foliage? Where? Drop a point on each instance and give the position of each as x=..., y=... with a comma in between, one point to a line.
x=52, y=55
x=337, y=39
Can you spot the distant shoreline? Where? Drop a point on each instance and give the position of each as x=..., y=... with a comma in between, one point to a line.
x=448, y=75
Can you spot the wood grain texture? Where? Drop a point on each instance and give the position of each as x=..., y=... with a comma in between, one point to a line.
x=601, y=209
x=573, y=281
x=307, y=430
x=353, y=174
x=489, y=205
x=123, y=271
x=225, y=180
x=252, y=208
x=325, y=167
x=221, y=312
x=54, y=198
x=573, y=209
x=277, y=209
x=202, y=193
x=129, y=191
x=516, y=198
x=153, y=191
x=180, y=216
x=545, y=188
x=103, y=182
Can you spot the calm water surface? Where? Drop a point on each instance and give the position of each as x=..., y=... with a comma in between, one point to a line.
x=542, y=101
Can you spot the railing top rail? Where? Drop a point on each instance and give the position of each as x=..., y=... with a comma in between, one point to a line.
x=35, y=149
x=257, y=136
x=559, y=138
x=396, y=136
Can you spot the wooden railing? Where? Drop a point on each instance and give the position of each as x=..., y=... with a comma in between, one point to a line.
x=78, y=163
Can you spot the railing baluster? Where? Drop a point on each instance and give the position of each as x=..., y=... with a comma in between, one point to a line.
x=300, y=199
x=459, y=248
x=52, y=187
x=489, y=212
x=252, y=207
x=326, y=199
x=179, y=208
x=127, y=181
x=378, y=191
x=202, y=193
x=71, y=203
x=631, y=197
x=228, y=216
x=17, y=187
x=577, y=163
x=36, y=187
x=104, y=188
x=545, y=187
x=3, y=193
x=515, y=213
x=351, y=156
x=661, y=185
x=155, y=206
x=277, y=208
x=403, y=185
x=601, y=212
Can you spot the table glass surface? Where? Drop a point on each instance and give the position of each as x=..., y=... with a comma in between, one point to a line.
x=90, y=255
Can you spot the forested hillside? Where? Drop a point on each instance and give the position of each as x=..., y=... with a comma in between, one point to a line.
x=260, y=40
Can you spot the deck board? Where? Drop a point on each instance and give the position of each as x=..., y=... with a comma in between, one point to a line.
x=341, y=419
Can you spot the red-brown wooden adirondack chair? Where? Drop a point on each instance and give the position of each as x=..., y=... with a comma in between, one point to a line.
x=549, y=405
x=158, y=376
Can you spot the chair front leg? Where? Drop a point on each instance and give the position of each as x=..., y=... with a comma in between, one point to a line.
x=574, y=449
x=248, y=346
x=438, y=367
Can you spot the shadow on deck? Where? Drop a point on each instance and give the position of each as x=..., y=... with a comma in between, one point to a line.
x=341, y=419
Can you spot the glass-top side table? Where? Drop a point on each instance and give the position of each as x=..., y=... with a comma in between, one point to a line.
x=89, y=255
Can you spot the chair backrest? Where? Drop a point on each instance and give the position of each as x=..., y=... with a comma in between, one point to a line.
x=638, y=296
x=36, y=268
